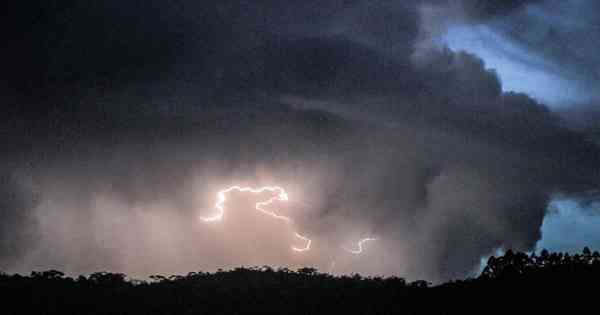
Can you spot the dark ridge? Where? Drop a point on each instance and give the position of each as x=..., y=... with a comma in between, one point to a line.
x=515, y=282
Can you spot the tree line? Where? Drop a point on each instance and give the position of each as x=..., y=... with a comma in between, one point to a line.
x=514, y=282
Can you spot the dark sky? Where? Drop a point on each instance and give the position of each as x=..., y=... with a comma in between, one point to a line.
x=122, y=119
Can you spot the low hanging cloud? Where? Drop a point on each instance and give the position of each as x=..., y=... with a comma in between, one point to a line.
x=111, y=162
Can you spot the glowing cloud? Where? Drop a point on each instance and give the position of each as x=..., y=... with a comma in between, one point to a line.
x=280, y=195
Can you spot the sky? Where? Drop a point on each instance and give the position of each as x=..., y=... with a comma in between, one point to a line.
x=518, y=69
x=447, y=130
x=526, y=70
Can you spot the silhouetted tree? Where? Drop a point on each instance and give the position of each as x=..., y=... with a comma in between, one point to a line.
x=512, y=283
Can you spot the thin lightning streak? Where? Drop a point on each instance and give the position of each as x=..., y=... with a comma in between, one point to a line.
x=360, y=246
x=331, y=266
x=281, y=195
x=306, y=247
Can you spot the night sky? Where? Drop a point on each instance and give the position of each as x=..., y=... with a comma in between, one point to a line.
x=450, y=130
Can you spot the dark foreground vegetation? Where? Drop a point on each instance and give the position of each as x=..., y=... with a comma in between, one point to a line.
x=515, y=283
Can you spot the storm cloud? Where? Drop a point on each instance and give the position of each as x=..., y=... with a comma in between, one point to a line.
x=123, y=120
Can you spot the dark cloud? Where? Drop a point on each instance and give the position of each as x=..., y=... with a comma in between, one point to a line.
x=127, y=117
x=581, y=116
x=482, y=10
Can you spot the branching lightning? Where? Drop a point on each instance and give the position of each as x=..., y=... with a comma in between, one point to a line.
x=359, y=249
x=280, y=195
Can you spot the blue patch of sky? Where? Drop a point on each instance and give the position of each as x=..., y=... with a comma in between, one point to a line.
x=518, y=69
x=570, y=225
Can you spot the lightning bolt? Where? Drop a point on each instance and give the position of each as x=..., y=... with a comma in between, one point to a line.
x=331, y=266
x=280, y=195
x=359, y=249
x=306, y=247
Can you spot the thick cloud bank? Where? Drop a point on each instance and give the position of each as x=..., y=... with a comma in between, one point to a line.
x=124, y=120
